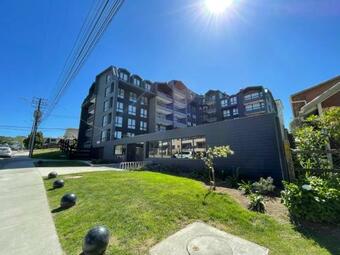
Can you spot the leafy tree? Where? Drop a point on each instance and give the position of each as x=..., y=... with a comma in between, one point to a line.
x=39, y=140
x=313, y=136
x=208, y=158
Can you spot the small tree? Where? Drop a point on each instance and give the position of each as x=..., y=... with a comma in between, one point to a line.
x=208, y=158
x=39, y=140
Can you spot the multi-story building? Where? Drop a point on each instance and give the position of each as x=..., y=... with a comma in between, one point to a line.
x=122, y=110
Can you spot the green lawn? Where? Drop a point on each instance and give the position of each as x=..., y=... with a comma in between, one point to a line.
x=60, y=163
x=142, y=208
x=51, y=153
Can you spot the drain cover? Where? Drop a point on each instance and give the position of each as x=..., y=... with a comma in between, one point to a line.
x=209, y=245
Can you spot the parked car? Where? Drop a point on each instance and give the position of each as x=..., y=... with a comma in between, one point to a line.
x=5, y=152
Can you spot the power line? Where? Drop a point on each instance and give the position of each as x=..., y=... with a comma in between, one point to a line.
x=92, y=34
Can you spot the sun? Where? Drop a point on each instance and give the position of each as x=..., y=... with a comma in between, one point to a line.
x=217, y=7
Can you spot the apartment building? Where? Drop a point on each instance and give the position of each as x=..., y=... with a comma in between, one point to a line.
x=127, y=118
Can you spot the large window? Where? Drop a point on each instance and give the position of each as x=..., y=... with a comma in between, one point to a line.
x=143, y=126
x=123, y=76
x=132, y=110
x=136, y=82
x=133, y=97
x=143, y=100
x=226, y=113
x=253, y=96
x=120, y=107
x=121, y=93
x=107, y=119
x=143, y=113
x=131, y=123
x=224, y=102
x=255, y=107
x=184, y=148
x=233, y=100
x=107, y=91
x=118, y=134
x=119, y=121
x=235, y=111
x=119, y=150
x=105, y=135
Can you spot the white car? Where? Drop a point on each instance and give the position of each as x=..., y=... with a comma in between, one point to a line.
x=5, y=152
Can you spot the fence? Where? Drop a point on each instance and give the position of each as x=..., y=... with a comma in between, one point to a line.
x=131, y=165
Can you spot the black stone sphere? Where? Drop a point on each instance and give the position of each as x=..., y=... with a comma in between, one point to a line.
x=58, y=184
x=52, y=175
x=96, y=241
x=68, y=200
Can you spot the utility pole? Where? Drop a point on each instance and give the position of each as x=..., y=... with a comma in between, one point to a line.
x=38, y=103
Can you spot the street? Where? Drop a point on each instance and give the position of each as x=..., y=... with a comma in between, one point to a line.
x=20, y=159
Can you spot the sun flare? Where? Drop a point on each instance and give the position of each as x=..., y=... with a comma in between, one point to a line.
x=217, y=7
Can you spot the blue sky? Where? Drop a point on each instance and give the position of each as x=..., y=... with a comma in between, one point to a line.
x=284, y=45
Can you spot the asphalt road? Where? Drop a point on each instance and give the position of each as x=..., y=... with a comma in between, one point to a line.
x=19, y=160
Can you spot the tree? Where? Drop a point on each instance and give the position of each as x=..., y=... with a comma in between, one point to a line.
x=313, y=136
x=39, y=140
x=208, y=158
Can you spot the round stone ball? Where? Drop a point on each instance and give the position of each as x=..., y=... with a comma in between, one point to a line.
x=58, y=184
x=96, y=241
x=68, y=200
x=52, y=175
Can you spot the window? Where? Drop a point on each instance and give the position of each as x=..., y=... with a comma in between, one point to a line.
x=118, y=134
x=166, y=149
x=224, y=102
x=121, y=93
x=143, y=126
x=136, y=82
x=200, y=144
x=255, y=106
x=253, y=96
x=147, y=86
x=143, y=113
x=235, y=111
x=154, y=149
x=176, y=148
x=119, y=121
x=107, y=119
x=132, y=110
x=103, y=135
x=131, y=123
x=226, y=113
x=119, y=150
x=130, y=134
x=106, y=105
x=120, y=107
x=108, y=78
x=233, y=100
x=123, y=76
x=133, y=97
x=143, y=101
x=108, y=135
x=107, y=91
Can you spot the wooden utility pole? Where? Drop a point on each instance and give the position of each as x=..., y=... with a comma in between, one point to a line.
x=38, y=102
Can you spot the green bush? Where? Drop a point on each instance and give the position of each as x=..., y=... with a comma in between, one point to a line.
x=256, y=202
x=264, y=186
x=246, y=187
x=314, y=199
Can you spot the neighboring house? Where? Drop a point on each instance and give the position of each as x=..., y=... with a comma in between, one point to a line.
x=50, y=142
x=127, y=118
x=315, y=99
x=71, y=134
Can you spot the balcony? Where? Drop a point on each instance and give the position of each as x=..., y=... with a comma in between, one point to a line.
x=91, y=109
x=88, y=132
x=180, y=124
x=93, y=99
x=179, y=93
x=164, y=97
x=164, y=109
x=180, y=103
x=90, y=120
x=180, y=114
x=163, y=121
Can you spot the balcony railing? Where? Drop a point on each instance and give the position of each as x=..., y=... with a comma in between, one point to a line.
x=164, y=121
x=179, y=93
x=91, y=109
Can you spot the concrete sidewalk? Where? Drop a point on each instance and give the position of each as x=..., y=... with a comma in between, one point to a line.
x=26, y=224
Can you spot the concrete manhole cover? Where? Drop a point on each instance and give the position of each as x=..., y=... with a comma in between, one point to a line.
x=209, y=245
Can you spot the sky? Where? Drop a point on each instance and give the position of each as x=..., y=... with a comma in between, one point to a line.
x=283, y=45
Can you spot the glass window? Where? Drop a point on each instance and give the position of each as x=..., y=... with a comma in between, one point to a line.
x=255, y=106
x=123, y=76
x=176, y=148
x=133, y=97
x=120, y=107
x=166, y=149
x=121, y=93
x=235, y=111
x=106, y=105
x=226, y=113
x=106, y=119
x=131, y=123
x=119, y=150
x=108, y=78
x=108, y=135
x=118, y=134
x=200, y=144
x=233, y=100
x=147, y=86
x=187, y=148
x=132, y=110
x=103, y=135
x=143, y=113
x=143, y=100
x=155, y=149
x=107, y=91
x=224, y=102
x=253, y=96
x=143, y=126
x=119, y=121
x=136, y=82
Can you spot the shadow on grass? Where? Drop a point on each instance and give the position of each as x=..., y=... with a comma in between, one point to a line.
x=59, y=209
x=327, y=236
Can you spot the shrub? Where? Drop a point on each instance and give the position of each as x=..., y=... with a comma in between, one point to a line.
x=246, y=187
x=256, y=202
x=264, y=186
x=313, y=198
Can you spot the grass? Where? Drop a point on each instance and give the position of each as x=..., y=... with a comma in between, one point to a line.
x=142, y=208
x=51, y=153
x=60, y=163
